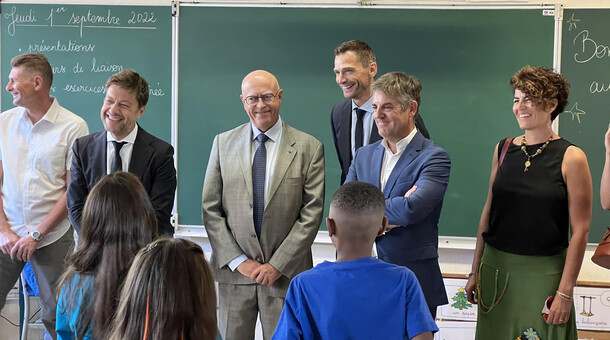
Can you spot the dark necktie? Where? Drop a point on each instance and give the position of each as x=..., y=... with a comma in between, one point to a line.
x=359, y=136
x=117, y=162
x=259, y=167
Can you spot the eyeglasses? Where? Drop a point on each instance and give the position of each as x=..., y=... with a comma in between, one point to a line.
x=267, y=98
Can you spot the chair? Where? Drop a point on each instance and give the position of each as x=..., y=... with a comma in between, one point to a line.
x=27, y=290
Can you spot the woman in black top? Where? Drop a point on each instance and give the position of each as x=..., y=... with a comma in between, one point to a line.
x=539, y=195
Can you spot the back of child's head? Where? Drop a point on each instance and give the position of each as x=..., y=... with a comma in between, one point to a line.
x=118, y=220
x=357, y=213
x=168, y=294
x=359, y=199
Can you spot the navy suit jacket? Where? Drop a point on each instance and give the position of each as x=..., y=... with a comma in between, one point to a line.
x=152, y=161
x=414, y=243
x=341, y=123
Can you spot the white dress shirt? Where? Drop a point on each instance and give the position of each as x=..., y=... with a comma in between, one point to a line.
x=367, y=123
x=35, y=158
x=389, y=162
x=125, y=151
x=272, y=146
x=390, y=159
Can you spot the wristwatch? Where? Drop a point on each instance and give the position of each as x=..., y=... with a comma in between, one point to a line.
x=36, y=236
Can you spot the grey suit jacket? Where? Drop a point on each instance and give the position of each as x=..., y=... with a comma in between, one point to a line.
x=292, y=214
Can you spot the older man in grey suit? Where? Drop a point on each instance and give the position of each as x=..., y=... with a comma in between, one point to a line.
x=263, y=198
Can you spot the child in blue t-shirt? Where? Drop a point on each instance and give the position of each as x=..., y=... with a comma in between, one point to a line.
x=356, y=297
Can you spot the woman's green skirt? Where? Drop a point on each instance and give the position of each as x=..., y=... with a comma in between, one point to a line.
x=512, y=292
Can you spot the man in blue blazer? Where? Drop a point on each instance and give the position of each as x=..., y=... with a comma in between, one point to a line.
x=355, y=70
x=413, y=174
x=124, y=145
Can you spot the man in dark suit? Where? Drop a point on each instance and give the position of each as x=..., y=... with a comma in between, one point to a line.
x=352, y=120
x=124, y=146
x=413, y=174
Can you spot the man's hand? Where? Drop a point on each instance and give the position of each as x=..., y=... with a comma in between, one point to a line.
x=407, y=194
x=7, y=240
x=266, y=274
x=411, y=191
x=247, y=267
x=24, y=248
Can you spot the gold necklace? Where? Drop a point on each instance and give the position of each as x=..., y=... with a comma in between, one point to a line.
x=529, y=157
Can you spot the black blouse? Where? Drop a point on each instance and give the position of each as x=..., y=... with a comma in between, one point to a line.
x=529, y=210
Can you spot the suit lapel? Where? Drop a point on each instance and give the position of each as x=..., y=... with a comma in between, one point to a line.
x=374, y=134
x=98, y=158
x=345, y=138
x=285, y=154
x=408, y=155
x=376, y=163
x=140, y=154
x=242, y=149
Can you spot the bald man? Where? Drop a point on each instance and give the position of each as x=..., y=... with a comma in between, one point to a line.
x=261, y=224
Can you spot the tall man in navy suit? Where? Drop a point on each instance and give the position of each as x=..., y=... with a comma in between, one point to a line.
x=123, y=145
x=413, y=174
x=352, y=120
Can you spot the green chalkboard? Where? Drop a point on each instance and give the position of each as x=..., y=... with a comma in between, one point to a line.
x=464, y=59
x=85, y=45
x=585, y=61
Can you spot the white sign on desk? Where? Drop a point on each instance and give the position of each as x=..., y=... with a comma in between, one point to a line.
x=455, y=330
x=458, y=308
x=592, y=308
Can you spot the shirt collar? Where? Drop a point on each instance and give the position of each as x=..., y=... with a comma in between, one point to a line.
x=402, y=144
x=50, y=115
x=368, y=106
x=131, y=137
x=273, y=133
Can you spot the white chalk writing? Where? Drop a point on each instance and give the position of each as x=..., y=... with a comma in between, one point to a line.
x=15, y=19
x=104, y=67
x=589, y=48
x=83, y=62
x=84, y=88
x=59, y=69
x=144, y=17
x=156, y=92
x=81, y=20
x=596, y=87
x=60, y=46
